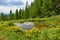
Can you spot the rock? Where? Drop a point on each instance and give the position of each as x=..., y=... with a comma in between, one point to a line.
x=18, y=24
x=27, y=25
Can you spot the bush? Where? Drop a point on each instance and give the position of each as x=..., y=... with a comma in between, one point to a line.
x=3, y=37
x=11, y=24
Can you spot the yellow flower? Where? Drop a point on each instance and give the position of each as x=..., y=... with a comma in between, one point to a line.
x=21, y=29
x=57, y=28
x=58, y=37
x=30, y=31
x=26, y=31
x=28, y=34
x=12, y=28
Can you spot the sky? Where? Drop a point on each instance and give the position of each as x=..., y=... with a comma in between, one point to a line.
x=7, y=5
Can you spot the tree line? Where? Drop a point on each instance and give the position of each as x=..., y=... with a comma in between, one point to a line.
x=37, y=9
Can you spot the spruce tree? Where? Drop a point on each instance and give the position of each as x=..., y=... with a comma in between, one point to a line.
x=20, y=14
x=2, y=17
x=11, y=15
x=26, y=10
x=16, y=13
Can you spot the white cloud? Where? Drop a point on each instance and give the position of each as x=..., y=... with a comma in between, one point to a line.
x=6, y=9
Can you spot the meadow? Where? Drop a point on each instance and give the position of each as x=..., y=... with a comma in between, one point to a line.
x=45, y=29
x=45, y=14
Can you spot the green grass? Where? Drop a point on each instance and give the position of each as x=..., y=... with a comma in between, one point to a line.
x=49, y=29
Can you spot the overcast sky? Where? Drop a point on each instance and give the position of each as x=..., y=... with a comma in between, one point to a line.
x=7, y=5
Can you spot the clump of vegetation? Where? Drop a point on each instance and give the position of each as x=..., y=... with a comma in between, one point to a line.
x=11, y=24
x=2, y=37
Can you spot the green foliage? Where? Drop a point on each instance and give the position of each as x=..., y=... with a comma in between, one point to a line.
x=16, y=13
x=11, y=24
x=46, y=29
x=37, y=9
x=11, y=15
x=20, y=14
x=41, y=12
x=2, y=17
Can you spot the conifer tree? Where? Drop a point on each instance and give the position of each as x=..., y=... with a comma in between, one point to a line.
x=2, y=17
x=11, y=15
x=20, y=14
x=16, y=13
x=26, y=10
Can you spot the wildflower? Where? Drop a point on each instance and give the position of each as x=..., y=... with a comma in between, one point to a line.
x=58, y=37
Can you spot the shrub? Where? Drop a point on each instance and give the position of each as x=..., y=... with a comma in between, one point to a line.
x=11, y=24
x=3, y=37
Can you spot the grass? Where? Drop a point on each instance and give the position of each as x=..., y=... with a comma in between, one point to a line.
x=45, y=29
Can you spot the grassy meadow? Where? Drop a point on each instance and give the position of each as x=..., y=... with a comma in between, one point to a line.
x=44, y=15
x=45, y=29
